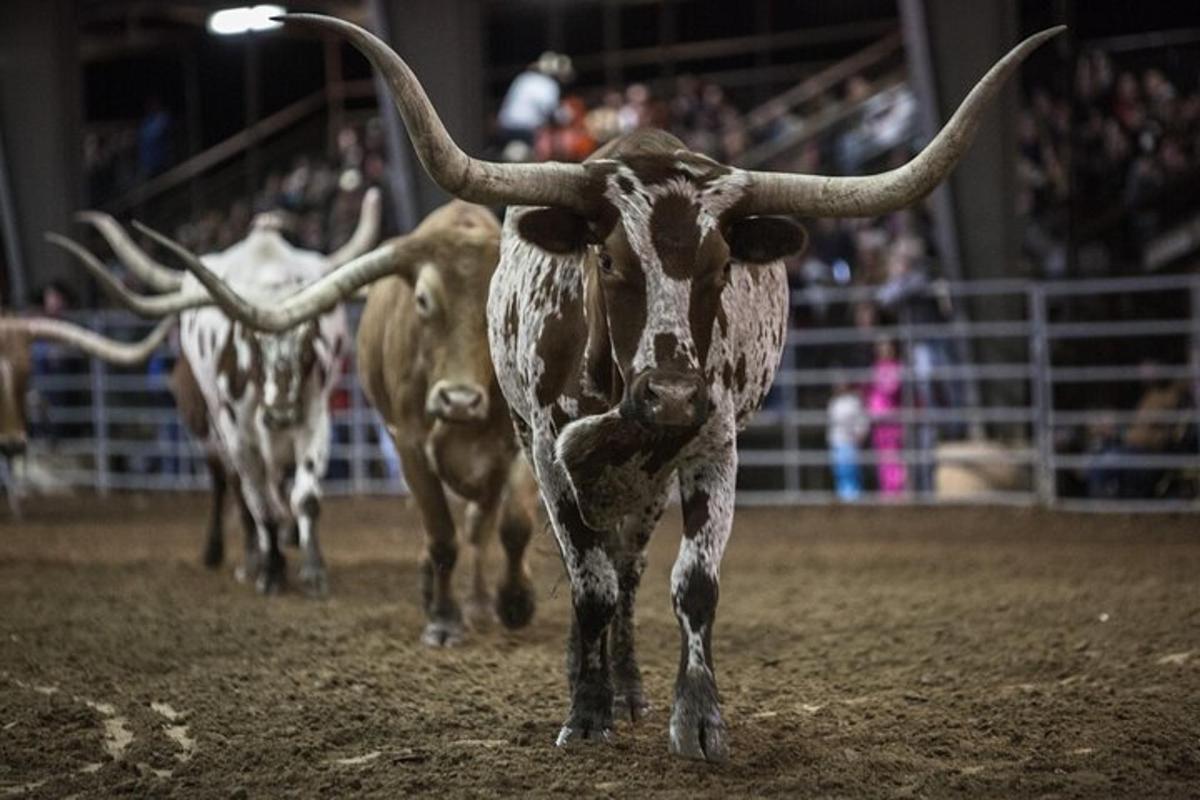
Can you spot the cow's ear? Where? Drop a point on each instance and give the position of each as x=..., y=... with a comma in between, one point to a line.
x=761, y=240
x=555, y=230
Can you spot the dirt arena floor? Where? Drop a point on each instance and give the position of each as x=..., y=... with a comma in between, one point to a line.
x=860, y=653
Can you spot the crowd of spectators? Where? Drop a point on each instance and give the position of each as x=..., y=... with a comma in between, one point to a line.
x=1101, y=160
x=319, y=196
x=540, y=120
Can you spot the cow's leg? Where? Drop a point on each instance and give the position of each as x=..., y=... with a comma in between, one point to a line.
x=480, y=524
x=445, y=625
x=706, y=490
x=629, y=701
x=589, y=564
x=214, y=546
x=251, y=562
x=515, y=600
x=594, y=600
x=312, y=456
x=256, y=491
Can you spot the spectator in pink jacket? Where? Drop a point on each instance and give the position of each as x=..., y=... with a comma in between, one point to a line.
x=887, y=433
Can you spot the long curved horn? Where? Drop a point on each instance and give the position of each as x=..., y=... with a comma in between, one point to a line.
x=114, y=352
x=157, y=306
x=308, y=302
x=366, y=233
x=483, y=182
x=822, y=196
x=152, y=273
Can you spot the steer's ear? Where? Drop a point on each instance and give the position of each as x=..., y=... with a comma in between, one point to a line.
x=761, y=240
x=555, y=230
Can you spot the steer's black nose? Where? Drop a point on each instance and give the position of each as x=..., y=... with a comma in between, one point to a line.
x=670, y=398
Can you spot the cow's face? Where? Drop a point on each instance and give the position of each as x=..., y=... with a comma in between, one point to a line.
x=14, y=378
x=288, y=359
x=449, y=295
x=659, y=253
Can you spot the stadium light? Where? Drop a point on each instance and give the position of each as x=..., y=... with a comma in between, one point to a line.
x=244, y=19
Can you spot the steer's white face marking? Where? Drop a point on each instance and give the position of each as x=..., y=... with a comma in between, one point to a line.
x=648, y=226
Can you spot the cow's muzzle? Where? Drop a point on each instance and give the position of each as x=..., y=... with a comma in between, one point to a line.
x=669, y=399
x=277, y=418
x=12, y=445
x=457, y=402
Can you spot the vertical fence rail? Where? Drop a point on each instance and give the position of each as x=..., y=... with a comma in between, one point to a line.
x=99, y=392
x=1194, y=363
x=1042, y=391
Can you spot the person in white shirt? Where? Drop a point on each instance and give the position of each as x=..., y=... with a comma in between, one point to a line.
x=533, y=97
x=848, y=424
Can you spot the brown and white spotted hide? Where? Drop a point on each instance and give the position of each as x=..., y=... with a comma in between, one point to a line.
x=266, y=398
x=631, y=345
x=423, y=361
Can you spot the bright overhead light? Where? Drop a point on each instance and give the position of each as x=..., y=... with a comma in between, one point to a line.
x=233, y=21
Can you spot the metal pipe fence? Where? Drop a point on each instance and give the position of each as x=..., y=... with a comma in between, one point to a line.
x=1086, y=394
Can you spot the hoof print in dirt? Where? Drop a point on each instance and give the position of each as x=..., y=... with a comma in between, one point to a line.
x=442, y=633
x=515, y=604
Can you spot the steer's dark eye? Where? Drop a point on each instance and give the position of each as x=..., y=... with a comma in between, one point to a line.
x=727, y=272
x=606, y=263
x=424, y=303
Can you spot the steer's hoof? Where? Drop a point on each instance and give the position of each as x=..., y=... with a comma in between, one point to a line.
x=442, y=633
x=248, y=571
x=590, y=720
x=272, y=578
x=697, y=730
x=630, y=705
x=479, y=612
x=515, y=604
x=315, y=580
x=571, y=736
x=214, y=554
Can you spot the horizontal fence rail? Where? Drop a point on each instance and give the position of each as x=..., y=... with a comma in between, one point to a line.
x=1087, y=399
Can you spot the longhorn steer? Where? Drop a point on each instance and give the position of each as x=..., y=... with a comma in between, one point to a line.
x=423, y=362
x=264, y=406
x=635, y=323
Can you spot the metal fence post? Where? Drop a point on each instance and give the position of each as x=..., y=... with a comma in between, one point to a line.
x=358, y=450
x=98, y=370
x=1194, y=360
x=1045, y=477
x=791, y=431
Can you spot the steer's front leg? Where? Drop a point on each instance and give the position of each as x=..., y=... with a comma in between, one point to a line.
x=445, y=626
x=593, y=577
x=706, y=490
x=594, y=600
x=312, y=456
x=630, y=701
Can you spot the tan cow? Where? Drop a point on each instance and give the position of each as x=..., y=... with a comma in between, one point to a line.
x=423, y=362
